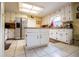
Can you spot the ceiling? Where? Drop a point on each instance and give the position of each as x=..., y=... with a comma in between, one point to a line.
x=48, y=7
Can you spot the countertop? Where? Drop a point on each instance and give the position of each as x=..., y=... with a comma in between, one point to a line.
x=35, y=28
x=44, y=28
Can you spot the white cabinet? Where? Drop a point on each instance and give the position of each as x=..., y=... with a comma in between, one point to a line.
x=36, y=37
x=44, y=36
x=64, y=35
x=9, y=33
x=32, y=40
x=69, y=36
x=67, y=13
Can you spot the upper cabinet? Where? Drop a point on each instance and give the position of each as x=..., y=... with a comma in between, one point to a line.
x=65, y=12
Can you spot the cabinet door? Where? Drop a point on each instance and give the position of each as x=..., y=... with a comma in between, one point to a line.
x=44, y=39
x=53, y=34
x=69, y=36
x=33, y=40
x=61, y=35
x=44, y=36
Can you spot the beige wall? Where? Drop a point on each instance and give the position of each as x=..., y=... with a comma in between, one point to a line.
x=10, y=17
x=75, y=23
x=75, y=20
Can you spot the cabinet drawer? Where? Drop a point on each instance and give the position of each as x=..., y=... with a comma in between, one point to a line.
x=44, y=30
x=31, y=30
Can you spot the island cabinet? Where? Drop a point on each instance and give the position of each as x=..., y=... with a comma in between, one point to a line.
x=63, y=35
x=36, y=37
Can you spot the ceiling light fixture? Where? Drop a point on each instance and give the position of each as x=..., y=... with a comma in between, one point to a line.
x=23, y=7
x=37, y=8
x=24, y=10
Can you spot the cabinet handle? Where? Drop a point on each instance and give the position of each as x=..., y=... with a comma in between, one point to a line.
x=37, y=36
x=40, y=36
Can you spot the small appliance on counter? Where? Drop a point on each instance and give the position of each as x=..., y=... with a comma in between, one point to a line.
x=44, y=26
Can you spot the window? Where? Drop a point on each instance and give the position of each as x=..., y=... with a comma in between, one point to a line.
x=56, y=21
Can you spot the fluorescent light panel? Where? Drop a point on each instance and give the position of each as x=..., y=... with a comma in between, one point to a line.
x=24, y=5
x=24, y=10
x=28, y=11
x=37, y=8
x=35, y=12
x=29, y=8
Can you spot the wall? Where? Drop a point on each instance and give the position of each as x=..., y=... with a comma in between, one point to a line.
x=75, y=23
x=1, y=30
x=64, y=12
x=10, y=17
x=46, y=20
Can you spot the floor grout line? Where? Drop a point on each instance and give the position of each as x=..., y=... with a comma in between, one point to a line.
x=24, y=50
x=15, y=48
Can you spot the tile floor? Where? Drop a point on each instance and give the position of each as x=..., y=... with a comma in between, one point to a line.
x=18, y=49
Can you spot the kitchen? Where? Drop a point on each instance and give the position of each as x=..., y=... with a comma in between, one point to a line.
x=38, y=30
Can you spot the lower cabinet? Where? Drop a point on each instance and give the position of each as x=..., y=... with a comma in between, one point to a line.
x=44, y=37
x=63, y=35
x=9, y=33
x=32, y=40
x=36, y=37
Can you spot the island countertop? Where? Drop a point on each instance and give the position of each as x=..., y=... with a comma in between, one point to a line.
x=35, y=28
x=44, y=28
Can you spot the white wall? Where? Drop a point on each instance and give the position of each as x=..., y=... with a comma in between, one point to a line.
x=1, y=32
